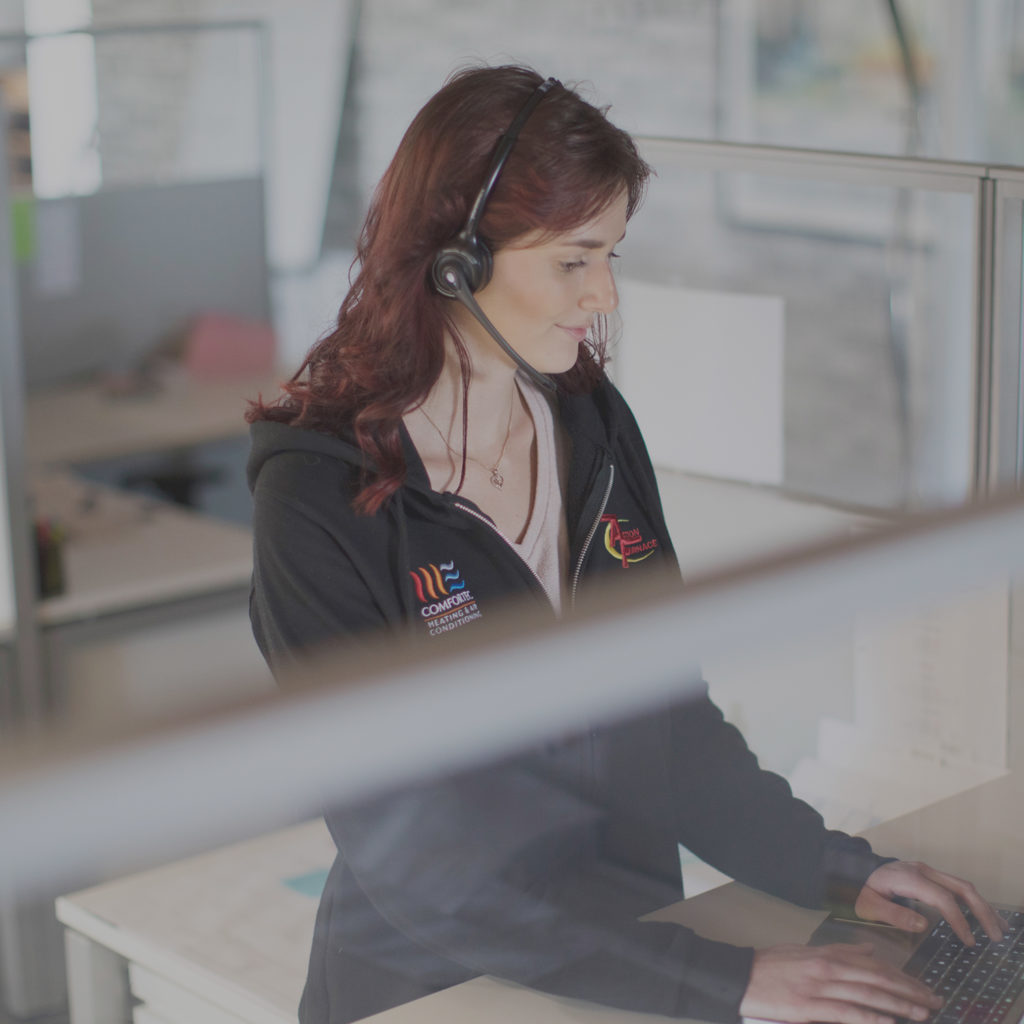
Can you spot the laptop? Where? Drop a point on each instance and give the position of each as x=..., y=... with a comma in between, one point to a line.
x=981, y=984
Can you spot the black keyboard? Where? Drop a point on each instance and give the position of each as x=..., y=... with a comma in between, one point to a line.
x=979, y=983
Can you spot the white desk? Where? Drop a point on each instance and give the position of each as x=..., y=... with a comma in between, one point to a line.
x=219, y=938
x=238, y=953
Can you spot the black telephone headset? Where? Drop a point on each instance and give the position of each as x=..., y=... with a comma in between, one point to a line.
x=466, y=257
x=465, y=264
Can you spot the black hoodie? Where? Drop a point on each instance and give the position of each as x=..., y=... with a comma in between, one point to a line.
x=535, y=869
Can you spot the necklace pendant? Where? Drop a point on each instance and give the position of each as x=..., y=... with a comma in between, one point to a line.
x=497, y=480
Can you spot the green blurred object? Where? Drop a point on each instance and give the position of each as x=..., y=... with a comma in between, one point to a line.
x=23, y=228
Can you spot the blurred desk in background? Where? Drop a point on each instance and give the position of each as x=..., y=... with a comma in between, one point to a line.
x=80, y=422
x=154, y=614
x=155, y=594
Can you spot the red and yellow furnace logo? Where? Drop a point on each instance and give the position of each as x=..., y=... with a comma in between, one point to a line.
x=625, y=544
x=446, y=602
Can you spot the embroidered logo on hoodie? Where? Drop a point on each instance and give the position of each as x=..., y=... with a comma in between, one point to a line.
x=446, y=602
x=625, y=543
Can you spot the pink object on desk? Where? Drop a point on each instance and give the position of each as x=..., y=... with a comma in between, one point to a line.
x=219, y=345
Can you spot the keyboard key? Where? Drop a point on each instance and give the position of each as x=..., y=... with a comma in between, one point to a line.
x=980, y=983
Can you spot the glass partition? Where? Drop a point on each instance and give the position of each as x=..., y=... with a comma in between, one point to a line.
x=806, y=322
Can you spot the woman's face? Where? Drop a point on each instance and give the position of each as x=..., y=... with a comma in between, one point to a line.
x=543, y=297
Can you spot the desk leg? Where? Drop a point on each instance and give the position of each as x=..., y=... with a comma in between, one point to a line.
x=98, y=990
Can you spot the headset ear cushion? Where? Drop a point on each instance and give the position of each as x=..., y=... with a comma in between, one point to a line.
x=469, y=263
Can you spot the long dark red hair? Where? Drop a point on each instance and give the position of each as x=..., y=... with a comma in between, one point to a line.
x=388, y=347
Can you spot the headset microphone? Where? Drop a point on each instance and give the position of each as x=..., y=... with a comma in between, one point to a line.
x=465, y=296
x=465, y=264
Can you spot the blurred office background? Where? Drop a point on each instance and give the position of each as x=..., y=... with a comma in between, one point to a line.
x=821, y=329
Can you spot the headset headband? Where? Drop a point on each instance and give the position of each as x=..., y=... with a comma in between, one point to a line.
x=501, y=154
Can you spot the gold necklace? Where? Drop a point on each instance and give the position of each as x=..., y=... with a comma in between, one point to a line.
x=497, y=480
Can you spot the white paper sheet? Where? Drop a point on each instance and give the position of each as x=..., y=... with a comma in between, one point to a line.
x=703, y=372
x=936, y=683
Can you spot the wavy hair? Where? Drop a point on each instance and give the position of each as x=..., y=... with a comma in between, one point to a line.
x=387, y=348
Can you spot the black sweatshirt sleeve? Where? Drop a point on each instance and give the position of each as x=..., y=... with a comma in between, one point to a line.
x=745, y=820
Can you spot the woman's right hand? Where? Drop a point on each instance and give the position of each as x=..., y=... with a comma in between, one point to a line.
x=836, y=983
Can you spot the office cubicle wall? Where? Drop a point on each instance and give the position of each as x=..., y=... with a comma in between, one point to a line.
x=114, y=275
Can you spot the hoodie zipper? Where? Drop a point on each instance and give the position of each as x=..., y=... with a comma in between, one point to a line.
x=490, y=524
x=586, y=544
x=590, y=536
x=591, y=750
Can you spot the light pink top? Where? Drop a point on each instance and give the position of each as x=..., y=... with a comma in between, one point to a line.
x=545, y=544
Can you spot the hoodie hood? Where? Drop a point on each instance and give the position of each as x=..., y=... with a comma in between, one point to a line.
x=269, y=439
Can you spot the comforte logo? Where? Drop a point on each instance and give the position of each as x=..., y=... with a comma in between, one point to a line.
x=446, y=603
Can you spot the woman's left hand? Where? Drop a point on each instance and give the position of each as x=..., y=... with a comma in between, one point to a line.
x=935, y=888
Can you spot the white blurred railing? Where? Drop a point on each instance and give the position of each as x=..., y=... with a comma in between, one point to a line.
x=353, y=725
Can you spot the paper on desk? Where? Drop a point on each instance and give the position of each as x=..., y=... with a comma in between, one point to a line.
x=935, y=683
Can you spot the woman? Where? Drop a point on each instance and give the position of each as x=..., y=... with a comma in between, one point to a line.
x=453, y=443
